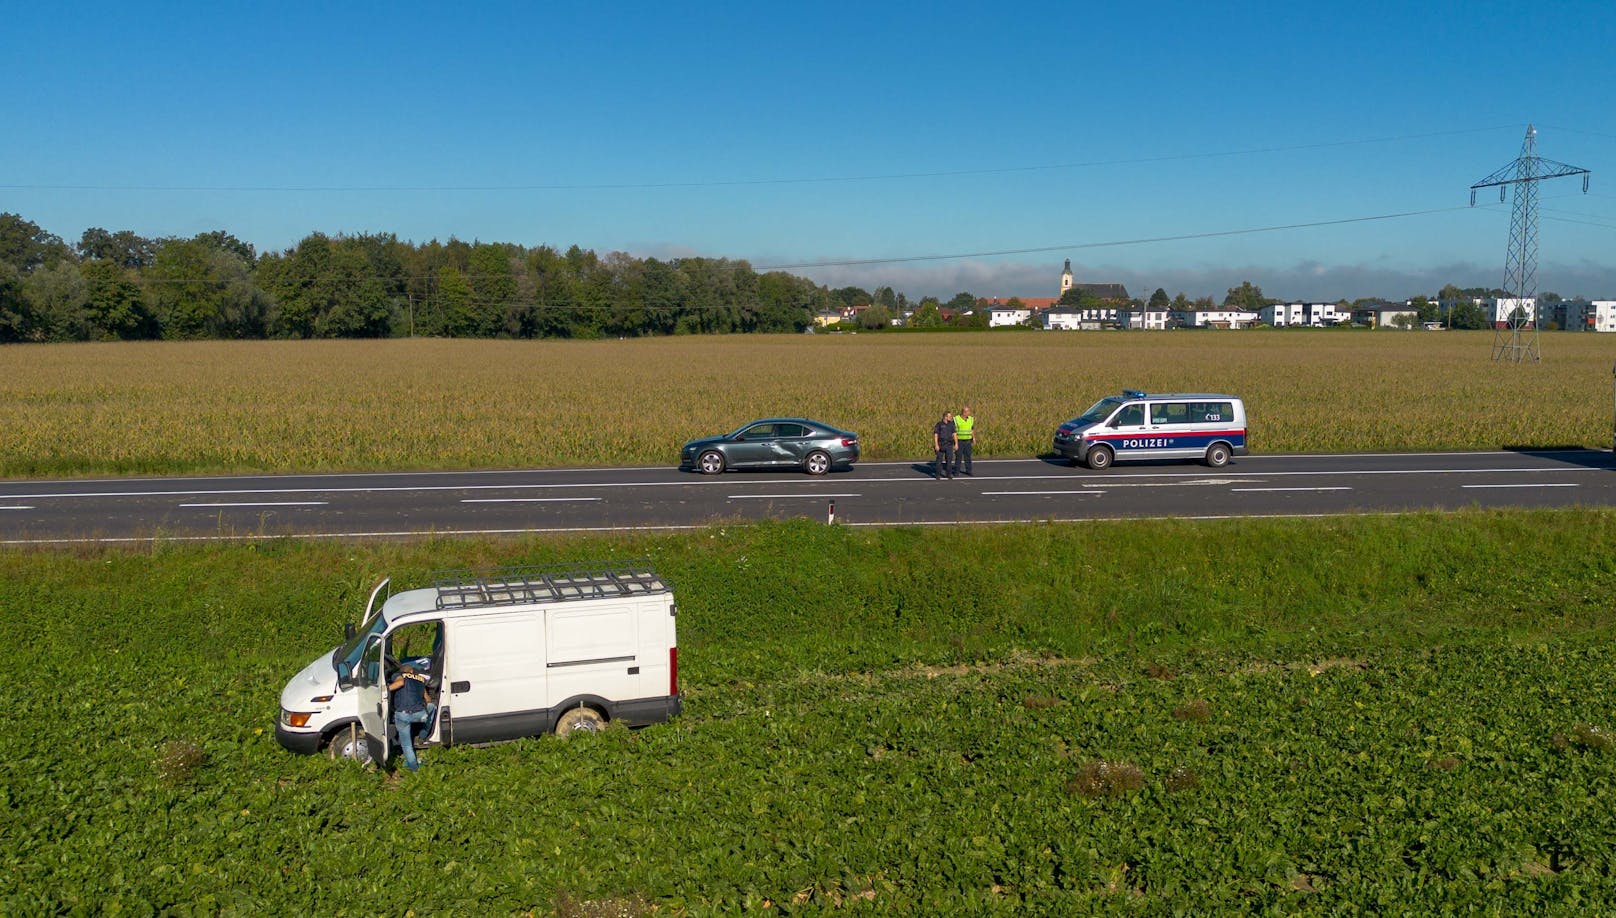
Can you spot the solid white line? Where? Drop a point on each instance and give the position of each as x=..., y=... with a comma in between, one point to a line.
x=16, y=508
x=1290, y=489
x=784, y=496
x=994, y=493
x=1569, y=484
x=526, y=500
x=265, y=503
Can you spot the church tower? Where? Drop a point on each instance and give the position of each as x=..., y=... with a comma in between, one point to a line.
x=1066, y=277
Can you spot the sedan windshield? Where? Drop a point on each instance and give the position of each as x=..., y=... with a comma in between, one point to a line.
x=1100, y=410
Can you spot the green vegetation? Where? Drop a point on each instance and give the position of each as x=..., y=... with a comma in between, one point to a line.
x=1405, y=713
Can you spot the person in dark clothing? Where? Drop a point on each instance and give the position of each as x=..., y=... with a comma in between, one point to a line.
x=943, y=441
x=412, y=704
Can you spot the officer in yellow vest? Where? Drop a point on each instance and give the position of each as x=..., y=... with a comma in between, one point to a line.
x=964, y=433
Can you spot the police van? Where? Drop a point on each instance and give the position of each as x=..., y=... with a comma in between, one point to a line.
x=1135, y=425
x=506, y=653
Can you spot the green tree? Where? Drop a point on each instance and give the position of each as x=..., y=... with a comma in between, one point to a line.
x=15, y=321
x=1246, y=296
x=123, y=248
x=926, y=315
x=1159, y=301
x=116, y=308
x=57, y=296
x=962, y=302
x=874, y=318
x=26, y=247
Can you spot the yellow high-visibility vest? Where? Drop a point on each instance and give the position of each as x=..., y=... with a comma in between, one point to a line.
x=962, y=427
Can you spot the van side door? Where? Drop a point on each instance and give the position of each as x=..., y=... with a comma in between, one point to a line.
x=1168, y=422
x=494, y=680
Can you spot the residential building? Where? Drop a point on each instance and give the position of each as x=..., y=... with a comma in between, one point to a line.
x=1003, y=316
x=1142, y=318
x=1386, y=315
x=1595, y=315
x=1500, y=309
x=1313, y=315
x=1211, y=318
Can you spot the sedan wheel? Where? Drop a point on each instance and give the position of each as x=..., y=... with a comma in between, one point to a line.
x=817, y=463
x=711, y=462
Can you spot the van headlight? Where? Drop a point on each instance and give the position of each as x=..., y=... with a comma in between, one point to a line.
x=294, y=718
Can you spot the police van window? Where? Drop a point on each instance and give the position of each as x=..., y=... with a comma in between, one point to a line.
x=1170, y=413
x=1211, y=412
x=1130, y=416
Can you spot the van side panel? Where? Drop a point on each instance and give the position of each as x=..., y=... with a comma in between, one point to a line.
x=495, y=678
x=592, y=652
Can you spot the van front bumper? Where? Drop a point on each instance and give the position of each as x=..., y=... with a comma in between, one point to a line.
x=302, y=742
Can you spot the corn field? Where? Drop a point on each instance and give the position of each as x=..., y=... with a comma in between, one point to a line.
x=216, y=406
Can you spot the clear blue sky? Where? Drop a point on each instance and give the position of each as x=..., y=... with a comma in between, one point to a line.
x=803, y=133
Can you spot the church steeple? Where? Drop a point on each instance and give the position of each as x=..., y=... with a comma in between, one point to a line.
x=1066, y=277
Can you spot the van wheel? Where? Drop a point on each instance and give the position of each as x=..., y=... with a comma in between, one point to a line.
x=349, y=743
x=817, y=463
x=1100, y=458
x=580, y=720
x=1217, y=456
x=711, y=462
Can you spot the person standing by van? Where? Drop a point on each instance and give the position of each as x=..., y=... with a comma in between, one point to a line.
x=943, y=441
x=964, y=433
x=412, y=704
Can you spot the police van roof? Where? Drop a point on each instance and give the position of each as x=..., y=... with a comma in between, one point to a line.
x=1135, y=393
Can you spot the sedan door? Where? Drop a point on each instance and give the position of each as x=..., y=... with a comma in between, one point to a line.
x=792, y=443
x=753, y=446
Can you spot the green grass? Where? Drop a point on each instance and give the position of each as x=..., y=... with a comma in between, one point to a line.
x=1406, y=713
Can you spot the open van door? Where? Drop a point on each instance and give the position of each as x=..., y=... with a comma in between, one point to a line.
x=370, y=679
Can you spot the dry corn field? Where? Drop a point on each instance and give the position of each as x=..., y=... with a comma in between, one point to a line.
x=164, y=407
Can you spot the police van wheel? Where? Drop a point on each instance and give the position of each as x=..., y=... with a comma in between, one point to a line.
x=349, y=743
x=1100, y=458
x=580, y=720
x=1217, y=456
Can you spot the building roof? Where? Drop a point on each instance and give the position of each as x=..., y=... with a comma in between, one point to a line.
x=1104, y=291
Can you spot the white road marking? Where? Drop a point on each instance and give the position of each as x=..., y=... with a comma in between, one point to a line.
x=1567, y=484
x=1172, y=484
x=995, y=493
x=1248, y=490
x=785, y=496
x=16, y=508
x=265, y=503
x=526, y=500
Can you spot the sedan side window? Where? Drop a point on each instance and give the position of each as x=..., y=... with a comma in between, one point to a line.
x=790, y=430
x=759, y=432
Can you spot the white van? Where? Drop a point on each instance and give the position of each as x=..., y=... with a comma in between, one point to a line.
x=507, y=653
x=1135, y=425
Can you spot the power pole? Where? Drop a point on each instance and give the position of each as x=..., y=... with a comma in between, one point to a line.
x=1516, y=340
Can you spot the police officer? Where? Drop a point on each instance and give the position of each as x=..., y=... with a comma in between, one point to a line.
x=943, y=442
x=411, y=705
x=963, y=435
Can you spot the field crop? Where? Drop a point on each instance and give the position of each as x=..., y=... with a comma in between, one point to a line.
x=1291, y=716
x=171, y=407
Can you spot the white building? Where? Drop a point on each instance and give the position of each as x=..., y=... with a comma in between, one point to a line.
x=1142, y=317
x=1499, y=310
x=1063, y=318
x=1213, y=318
x=1003, y=316
x=1313, y=315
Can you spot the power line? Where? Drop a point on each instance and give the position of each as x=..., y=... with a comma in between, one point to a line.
x=730, y=183
x=1109, y=244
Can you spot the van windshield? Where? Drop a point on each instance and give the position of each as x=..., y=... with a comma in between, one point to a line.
x=1101, y=410
x=344, y=658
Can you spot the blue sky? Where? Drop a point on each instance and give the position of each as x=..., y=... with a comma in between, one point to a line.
x=803, y=134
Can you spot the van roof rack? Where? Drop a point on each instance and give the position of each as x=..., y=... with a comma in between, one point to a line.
x=512, y=586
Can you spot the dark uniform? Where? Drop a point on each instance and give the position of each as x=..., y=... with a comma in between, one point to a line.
x=943, y=441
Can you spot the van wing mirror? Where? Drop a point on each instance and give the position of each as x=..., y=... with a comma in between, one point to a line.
x=348, y=631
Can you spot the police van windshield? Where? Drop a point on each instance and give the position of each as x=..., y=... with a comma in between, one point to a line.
x=1101, y=410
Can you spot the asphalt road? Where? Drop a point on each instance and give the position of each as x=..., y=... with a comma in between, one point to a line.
x=403, y=504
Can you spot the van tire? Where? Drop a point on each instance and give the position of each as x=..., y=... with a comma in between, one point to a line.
x=580, y=720
x=1100, y=458
x=348, y=743
x=711, y=462
x=1217, y=455
x=817, y=463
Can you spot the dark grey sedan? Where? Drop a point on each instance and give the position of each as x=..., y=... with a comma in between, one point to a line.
x=772, y=443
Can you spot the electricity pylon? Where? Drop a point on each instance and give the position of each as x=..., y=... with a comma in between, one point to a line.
x=1511, y=340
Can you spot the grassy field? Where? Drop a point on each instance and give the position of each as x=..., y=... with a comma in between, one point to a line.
x=1403, y=714
x=158, y=408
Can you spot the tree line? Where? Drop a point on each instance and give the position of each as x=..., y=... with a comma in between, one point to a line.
x=122, y=286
